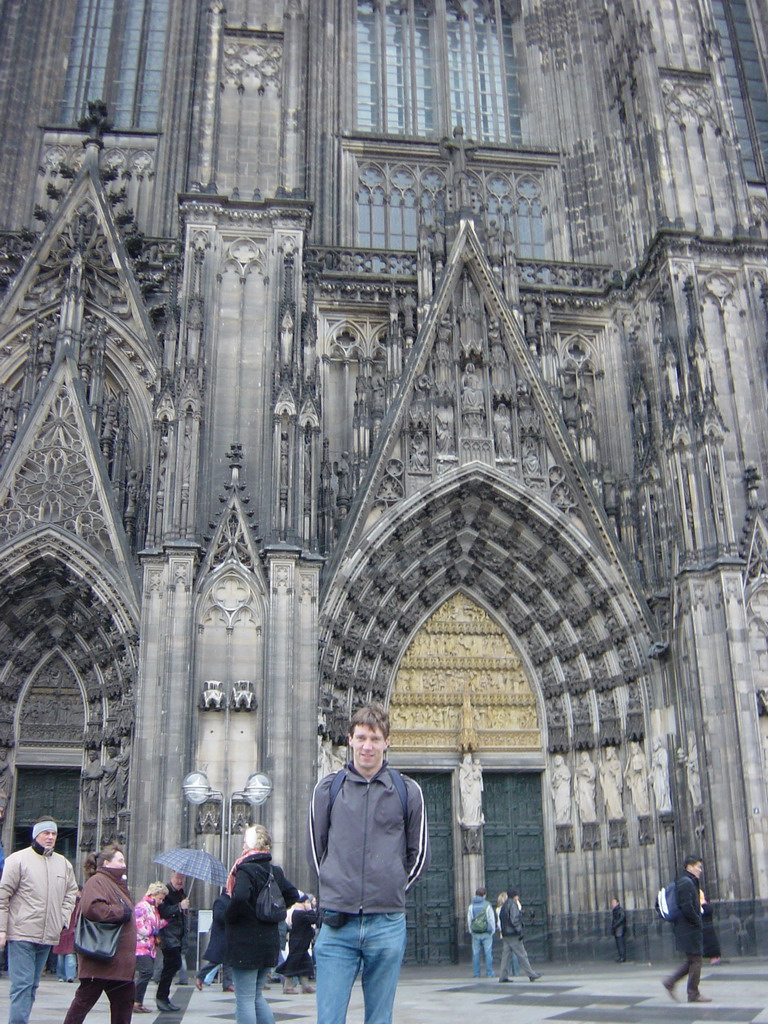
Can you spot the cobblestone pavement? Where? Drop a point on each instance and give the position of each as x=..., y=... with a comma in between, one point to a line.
x=628, y=993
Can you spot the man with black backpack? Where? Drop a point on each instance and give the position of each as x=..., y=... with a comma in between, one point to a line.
x=689, y=931
x=368, y=843
x=481, y=924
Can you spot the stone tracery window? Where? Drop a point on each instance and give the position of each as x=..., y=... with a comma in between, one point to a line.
x=393, y=200
x=424, y=66
x=117, y=54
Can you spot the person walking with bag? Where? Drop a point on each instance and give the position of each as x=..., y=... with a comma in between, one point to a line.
x=253, y=944
x=106, y=900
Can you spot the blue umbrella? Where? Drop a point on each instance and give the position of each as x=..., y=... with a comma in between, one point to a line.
x=195, y=864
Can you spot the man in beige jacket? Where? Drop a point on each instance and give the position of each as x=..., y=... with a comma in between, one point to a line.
x=37, y=896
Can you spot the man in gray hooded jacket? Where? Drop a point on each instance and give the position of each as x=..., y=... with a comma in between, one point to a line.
x=368, y=843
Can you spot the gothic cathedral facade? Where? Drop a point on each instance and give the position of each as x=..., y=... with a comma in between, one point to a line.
x=400, y=350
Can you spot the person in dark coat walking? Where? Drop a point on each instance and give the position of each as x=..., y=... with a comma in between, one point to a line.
x=253, y=946
x=105, y=898
x=619, y=929
x=299, y=966
x=173, y=939
x=217, y=946
x=689, y=931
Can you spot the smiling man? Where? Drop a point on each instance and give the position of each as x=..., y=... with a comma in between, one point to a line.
x=368, y=843
x=37, y=897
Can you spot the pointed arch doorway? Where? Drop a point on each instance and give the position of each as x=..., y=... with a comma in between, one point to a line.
x=461, y=690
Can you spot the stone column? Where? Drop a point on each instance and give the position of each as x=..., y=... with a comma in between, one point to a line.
x=289, y=717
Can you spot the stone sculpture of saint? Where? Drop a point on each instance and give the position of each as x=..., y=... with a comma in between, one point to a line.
x=636, y=776
x=561, y=791
x=660, y=776
x=612, y=782
x=471, y=787
x=586, y=773
x=90, y=782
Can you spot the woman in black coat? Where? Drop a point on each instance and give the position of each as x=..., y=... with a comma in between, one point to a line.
x=253, y=947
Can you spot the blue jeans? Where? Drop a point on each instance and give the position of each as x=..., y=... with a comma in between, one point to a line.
x=373, y=942
x=26, y=962
x=484, y=942
x=250, y=1005
x=66, y=966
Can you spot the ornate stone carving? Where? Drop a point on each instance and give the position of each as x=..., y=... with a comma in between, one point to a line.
x=471, y=789
x=617, y=835
x=561, y=791
x=636, y=776
x=212, y=697
x=461, y=686
x=243, y=696
x=564, y=839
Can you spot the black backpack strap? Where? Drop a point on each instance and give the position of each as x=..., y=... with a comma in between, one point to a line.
x=397, y=781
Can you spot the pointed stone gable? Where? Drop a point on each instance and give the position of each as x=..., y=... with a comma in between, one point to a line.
x=472, y=393
x=55, y=475
x=83, y=230
x=232, y=541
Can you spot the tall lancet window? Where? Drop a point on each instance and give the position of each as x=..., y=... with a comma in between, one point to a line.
x=117, y=53
x=425, y=66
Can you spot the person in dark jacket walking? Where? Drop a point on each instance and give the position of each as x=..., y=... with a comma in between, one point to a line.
x=689, y=931
x=512, y=929
x=368, y=844
x=106, y=898
x=172, y=939
x=619, y=929
x=253, y=946
x=217, y=946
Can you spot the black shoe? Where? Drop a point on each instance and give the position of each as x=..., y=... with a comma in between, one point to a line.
x=167, y=1006
x=534, y=977
x=504, y=979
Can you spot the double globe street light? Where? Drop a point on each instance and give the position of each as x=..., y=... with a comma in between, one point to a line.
x=197, y=790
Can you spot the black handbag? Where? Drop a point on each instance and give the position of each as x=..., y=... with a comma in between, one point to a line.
x=97, y=939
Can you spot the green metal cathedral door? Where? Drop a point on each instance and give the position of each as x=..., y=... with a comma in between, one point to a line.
x=513, y=840
x=431, y=926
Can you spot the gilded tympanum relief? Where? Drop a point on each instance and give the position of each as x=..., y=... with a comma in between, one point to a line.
x=462, y=687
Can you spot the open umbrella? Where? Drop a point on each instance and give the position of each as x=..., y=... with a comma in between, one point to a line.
x=194, y=864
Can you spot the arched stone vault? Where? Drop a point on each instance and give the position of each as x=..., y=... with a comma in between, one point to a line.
x=569, y=611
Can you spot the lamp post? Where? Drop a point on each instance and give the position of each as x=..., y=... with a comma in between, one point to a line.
x=197, y=790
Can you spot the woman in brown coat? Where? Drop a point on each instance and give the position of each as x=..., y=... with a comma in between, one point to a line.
x=106, y=898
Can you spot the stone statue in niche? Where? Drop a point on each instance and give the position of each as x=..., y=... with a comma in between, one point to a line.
x=586, y=774
x=561, y=791
x=472, y=403
x=212, y=698
x=444, y=439
x=243, y=697
x=109, y=785
x=471, y=787
x=90, y=783
x=637, y=779
x=692, y=771
x=612, y=783
x=660, y=776
x=502, y=430
x=419, y=452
